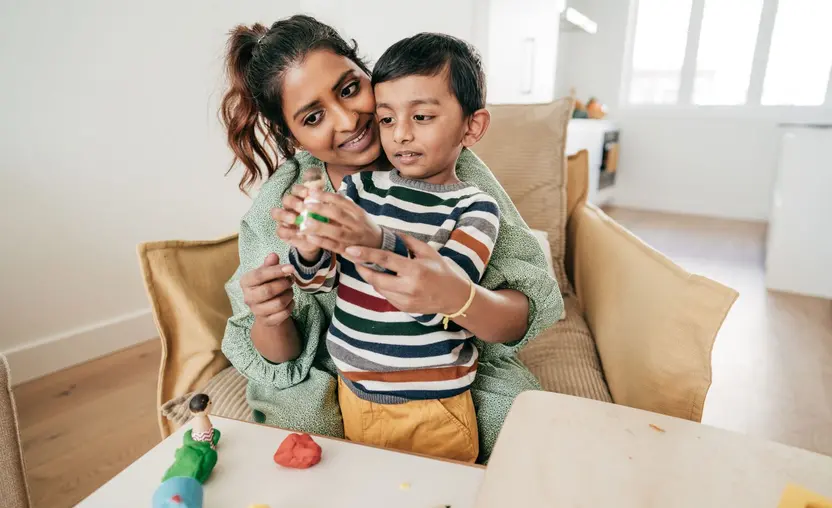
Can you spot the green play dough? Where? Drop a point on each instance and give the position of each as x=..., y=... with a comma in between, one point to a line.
x=195, y=459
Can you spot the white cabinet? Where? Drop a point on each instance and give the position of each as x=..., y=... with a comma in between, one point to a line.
x=521, y=50
x=799, y=251
x=518, y=39
x=594, y=137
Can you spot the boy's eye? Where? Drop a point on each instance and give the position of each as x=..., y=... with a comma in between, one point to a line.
x=422, y=118
x=314, y=118
x=386, y=120
x=350, y=90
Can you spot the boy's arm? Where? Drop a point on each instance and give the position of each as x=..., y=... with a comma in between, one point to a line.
x=389, y=240
x=470, y=244
x=321, y=276
x=318, y=277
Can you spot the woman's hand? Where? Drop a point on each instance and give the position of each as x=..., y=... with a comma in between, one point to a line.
x=348, y=224
x=286, y=228
x=424, y=284
x=267, y=291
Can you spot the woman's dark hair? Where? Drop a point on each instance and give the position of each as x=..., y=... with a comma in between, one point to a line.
x=256, y=61
x=198, y=403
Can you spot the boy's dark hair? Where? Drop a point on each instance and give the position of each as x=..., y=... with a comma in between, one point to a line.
x=428, y=54
x=198, y=403
x=256, y=60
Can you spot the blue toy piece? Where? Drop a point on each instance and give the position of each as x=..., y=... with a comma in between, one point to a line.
x=178, y=492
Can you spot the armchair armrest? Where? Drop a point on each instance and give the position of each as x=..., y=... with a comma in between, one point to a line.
x=653, y=322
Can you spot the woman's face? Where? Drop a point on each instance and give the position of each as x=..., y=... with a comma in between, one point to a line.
x=330, y=109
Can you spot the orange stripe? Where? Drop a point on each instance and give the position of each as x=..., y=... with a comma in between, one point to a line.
x=406, y=376
x=317, y=280
x=472, y=243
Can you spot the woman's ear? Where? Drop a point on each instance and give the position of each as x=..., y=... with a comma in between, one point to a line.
x=477, y=124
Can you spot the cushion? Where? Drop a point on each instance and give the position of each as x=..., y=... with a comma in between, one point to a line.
x=227, y=391
x=654, y=323
x=185, y=283
x=564, y=357
x=525, y=148
x=543, y=239
x=13, y=491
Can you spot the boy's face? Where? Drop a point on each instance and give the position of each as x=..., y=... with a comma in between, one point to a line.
x=421, y=126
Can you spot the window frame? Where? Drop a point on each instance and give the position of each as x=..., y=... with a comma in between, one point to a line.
x=753, y=107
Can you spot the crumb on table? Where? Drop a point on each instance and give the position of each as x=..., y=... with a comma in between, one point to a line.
x=656, y=428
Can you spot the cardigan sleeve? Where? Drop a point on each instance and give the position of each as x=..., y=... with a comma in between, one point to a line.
x=257, y=240
x=517, y=262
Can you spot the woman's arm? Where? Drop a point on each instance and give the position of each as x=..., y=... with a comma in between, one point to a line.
x=280, y=352
x=276, y=344
x=495, y=316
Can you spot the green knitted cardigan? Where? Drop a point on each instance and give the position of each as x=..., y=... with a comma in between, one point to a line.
x=301, y=394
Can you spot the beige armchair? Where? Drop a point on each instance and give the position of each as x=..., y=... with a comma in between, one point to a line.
x=638, y=329
x=14, y=492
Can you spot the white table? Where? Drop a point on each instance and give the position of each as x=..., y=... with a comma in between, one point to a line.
x=349, y=475
x=557, y=450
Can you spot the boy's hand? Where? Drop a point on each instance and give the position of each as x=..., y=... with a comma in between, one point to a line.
x=348, y=224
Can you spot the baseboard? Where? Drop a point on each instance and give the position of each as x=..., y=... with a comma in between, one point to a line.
x=648, y=206
x=51, y=354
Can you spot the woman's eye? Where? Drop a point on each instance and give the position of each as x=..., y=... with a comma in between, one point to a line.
x=385, y=120
x=422, y=118
x=314, y=118
x=350, y=90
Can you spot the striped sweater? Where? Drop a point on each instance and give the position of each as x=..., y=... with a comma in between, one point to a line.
x=385, y=355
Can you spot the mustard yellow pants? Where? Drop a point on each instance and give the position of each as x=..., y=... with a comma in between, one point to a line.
x=442, y=428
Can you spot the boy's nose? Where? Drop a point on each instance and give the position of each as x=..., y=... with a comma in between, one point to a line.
x=402, y=133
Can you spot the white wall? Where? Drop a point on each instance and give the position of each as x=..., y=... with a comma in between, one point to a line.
x=376, y=24
x=718, y=162
x=109, y=137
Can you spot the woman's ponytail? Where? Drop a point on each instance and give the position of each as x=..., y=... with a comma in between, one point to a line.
x=239, y=111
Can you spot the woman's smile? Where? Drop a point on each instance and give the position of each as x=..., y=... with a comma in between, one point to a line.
x=361, y=139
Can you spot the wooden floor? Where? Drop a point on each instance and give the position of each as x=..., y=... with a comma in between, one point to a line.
x=772, y=361
x=83, y=425
x=772, y=368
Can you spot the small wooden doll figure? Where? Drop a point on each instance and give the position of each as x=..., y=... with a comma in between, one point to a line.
x=313, y=179
x=203, y=430
x=197, y=456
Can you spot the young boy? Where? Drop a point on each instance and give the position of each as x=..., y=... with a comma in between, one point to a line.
x=404, y=379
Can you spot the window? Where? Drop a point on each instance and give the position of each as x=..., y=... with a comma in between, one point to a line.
x=726, y=51
x=659, y=51
x=801, y=54
x=770, y=52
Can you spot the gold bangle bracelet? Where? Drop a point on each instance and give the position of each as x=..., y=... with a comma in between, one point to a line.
x=461, y=312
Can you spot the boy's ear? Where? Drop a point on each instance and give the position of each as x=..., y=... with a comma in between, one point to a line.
x=478, y=123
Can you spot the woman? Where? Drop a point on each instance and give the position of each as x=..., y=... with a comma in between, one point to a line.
x=303, y=89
